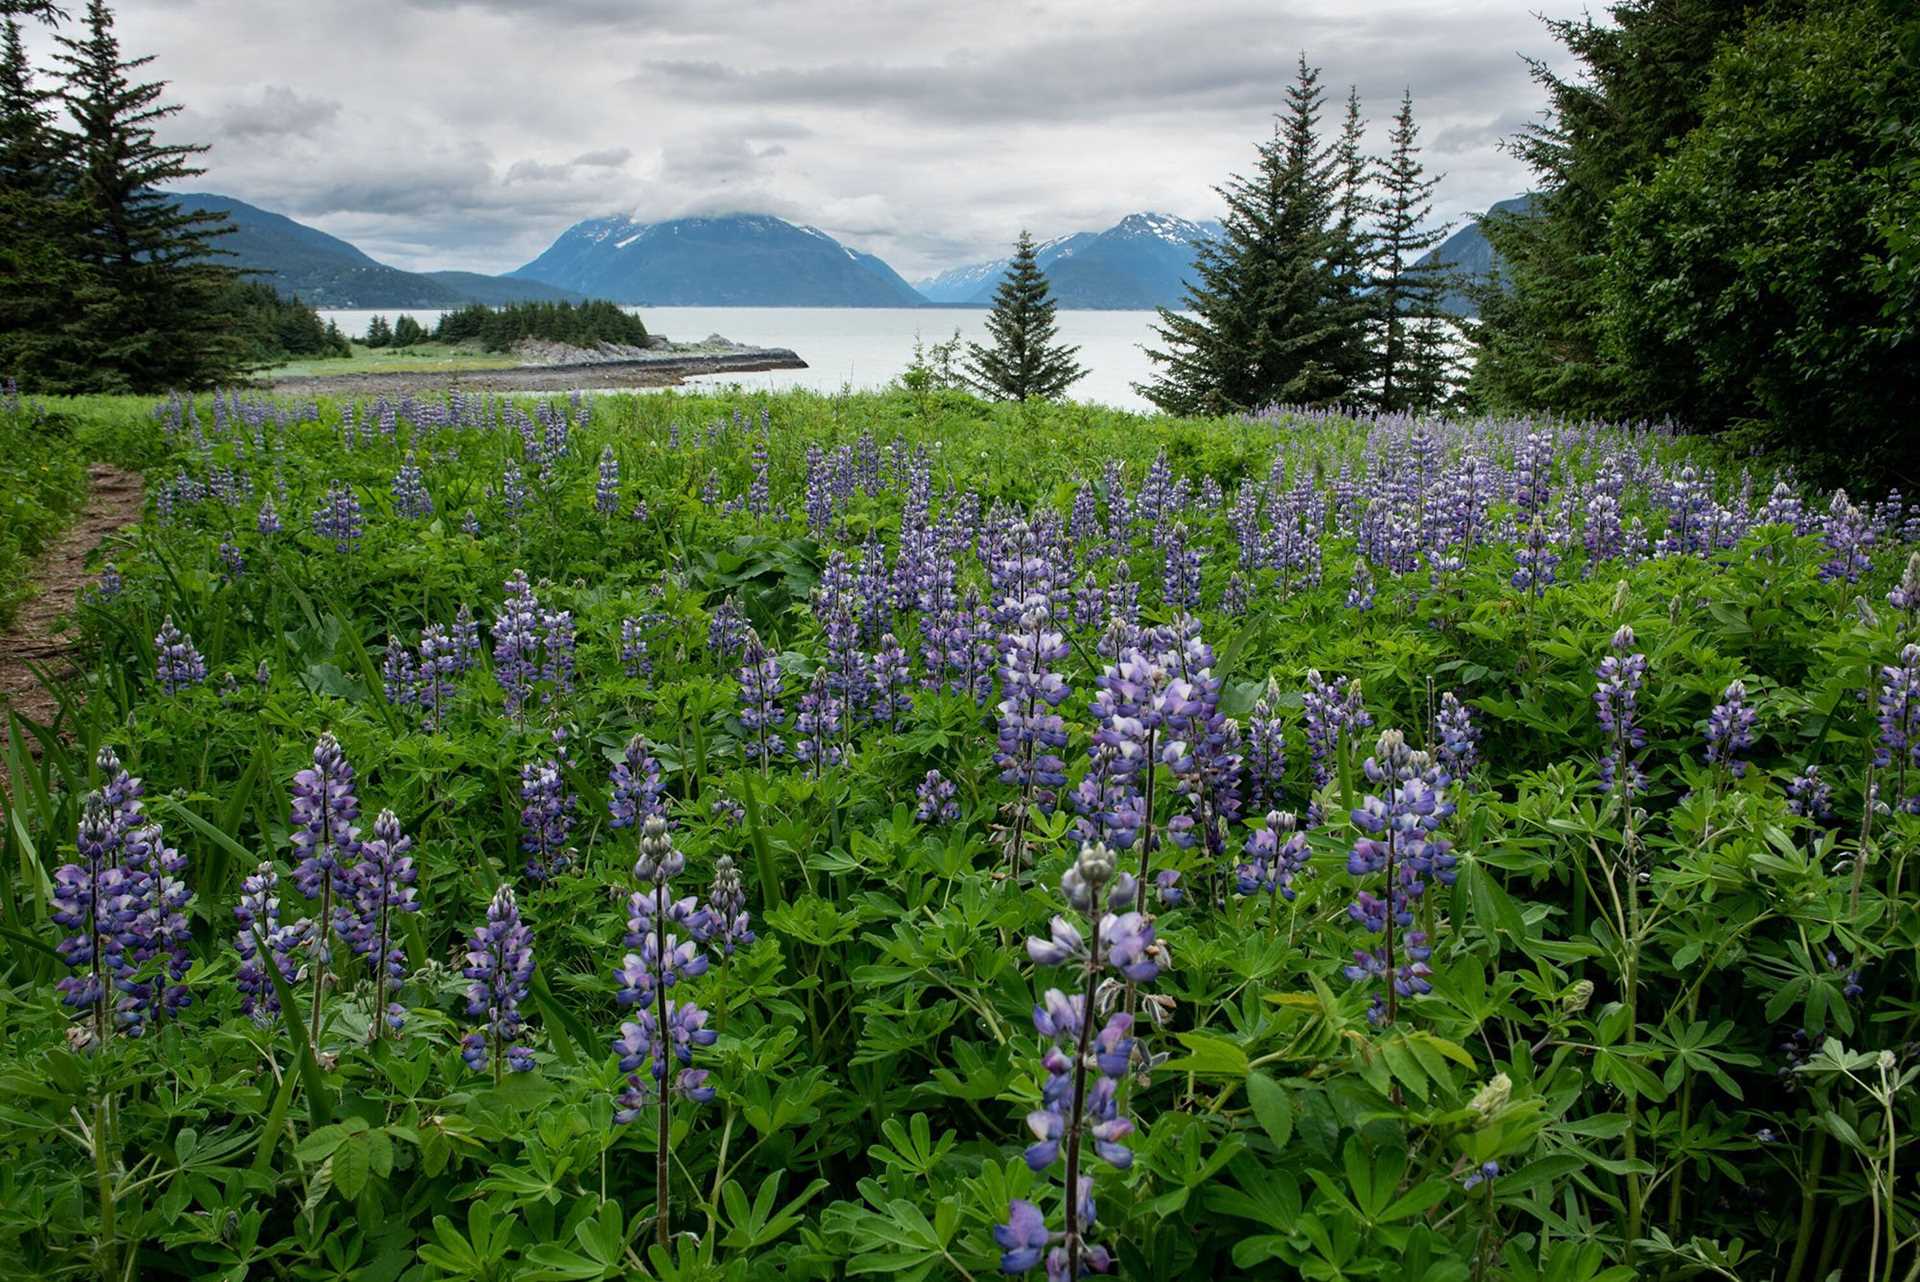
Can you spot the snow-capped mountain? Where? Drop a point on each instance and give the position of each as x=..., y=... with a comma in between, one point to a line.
x=1141, y=261
x=730, y=260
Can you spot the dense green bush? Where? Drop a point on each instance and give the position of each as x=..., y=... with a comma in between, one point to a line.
x=43, y=478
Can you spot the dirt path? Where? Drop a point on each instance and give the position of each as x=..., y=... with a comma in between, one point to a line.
x=36, y=638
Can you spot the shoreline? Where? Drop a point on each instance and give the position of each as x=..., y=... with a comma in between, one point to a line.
x=670, y=369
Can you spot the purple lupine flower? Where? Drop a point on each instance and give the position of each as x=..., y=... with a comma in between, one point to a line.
x=1810, y=795
x=516, y=642
x=727, y=811
x=382, y=887
x=633, y=649
x=662, y=960
x=1730, y=730
x=1265, y=758
x=410, y=497
x=889, y=683
x=339, y=518
x=466, y=637
x=727, y=629
x=640, y=1046
x=817, y=725
x=557, y=649
x=760, y=713
x=759, y=488
x=1899, y=717
x=546, y=817
x=176, y=662
x=1334, y=714
x=258, y=913
x=1459, y=746
x=1276, y=854
x=1536, y=562
x=268, y=520
x=470, y=524
x=513, y=490
x=1400, y=818
x=936, y=799
x=1071, y=1107
x=1617, y=702
x=1849, y=535
x=233, y=565
x=263, y=675
x=606, y=491
x=397, y=675
x=110, y=585
x=155, y=933
x=89, y=899
x=1181, y=576
x=636, y=787
x=327, y=842
x=730, y=925
x=1031, y=732
x=1360, y=588
x=500, y=965
x=1481, y=1174
x=435, y=674
x=1906, y=594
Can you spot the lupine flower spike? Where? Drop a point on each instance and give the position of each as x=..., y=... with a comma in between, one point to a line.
x=1072, y=1107
x=500, y=965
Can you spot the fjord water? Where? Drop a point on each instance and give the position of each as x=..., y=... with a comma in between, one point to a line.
x=868, y=347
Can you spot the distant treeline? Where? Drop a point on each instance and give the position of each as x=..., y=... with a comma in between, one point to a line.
x=272, y=328
x=581, y=324
x=499, y=328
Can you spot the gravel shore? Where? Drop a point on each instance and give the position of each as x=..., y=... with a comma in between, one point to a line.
x=665, y=367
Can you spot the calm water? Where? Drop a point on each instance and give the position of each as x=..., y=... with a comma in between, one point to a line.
x=866, y=347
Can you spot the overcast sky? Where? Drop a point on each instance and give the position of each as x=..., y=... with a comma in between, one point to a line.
x=470, y=133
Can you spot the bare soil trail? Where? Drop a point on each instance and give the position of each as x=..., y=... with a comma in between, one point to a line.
x=36, y=638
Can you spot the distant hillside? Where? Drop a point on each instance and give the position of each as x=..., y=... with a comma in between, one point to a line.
x=732, y=260
x=328, y=272
x=1469, y=253
x=497, y=291
x=1142, y=261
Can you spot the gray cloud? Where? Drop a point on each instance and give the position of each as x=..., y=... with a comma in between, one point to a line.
x=470, y=133
x=275, y=112
x=609, y=158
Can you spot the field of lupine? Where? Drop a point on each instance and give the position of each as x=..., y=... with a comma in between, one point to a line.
x=694, y=838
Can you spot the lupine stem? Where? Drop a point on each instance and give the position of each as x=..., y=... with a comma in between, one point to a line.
x=320, y=956
x=660, y=1057
x=1074, y=1243
x=103, y=1177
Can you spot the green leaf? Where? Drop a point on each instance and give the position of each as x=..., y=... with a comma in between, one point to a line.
x=1272, y=1106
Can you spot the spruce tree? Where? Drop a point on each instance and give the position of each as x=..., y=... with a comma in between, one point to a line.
x=160, y=309
x=1267, y=322
x=1352, y=252
x=1024, y=359
x=1409, y=332
x=42, y=339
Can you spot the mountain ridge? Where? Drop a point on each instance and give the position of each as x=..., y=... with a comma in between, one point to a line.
x=716, y=260
x=325, y=271
x=1143, y=261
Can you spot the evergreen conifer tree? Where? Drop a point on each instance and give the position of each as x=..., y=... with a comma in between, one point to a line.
x=41, y=339
x=1410, y=343
x=158, y=309
x=379, y=333
x=1024, y=359
x=1266, y=321
x=1351, y=255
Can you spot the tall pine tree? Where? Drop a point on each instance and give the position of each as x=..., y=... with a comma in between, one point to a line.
x=1409, y=333
x=1024, y=359
x=41, y=342
x=159, y=307
x=1351, y=255
x=1269, y=319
